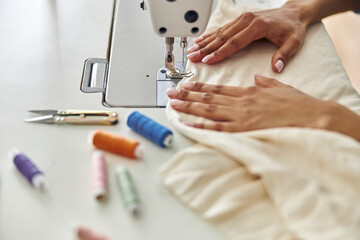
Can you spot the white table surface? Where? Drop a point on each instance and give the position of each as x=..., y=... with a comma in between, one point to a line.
x=43, y=44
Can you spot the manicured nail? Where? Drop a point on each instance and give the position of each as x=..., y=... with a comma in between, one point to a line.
x=188, y=84
x=193, y=48
x=176, y=103
x=193, y=54
x=279, y=65
x=260, y=75
x=172, y=92
x=189, y=124
x=199, y=39
x=207, y=58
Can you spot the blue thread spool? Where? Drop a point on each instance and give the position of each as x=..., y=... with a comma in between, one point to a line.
x=28, y=169
x=150, y=129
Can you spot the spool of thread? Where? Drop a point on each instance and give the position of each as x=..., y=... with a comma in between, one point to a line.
x=99, y=176
x=28, y=169
x=116, y=144
x=127, y=190
x=150, y=129
x=85, y=233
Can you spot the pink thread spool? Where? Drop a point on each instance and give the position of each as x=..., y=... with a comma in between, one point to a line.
x=84, y=233
x=99, y=176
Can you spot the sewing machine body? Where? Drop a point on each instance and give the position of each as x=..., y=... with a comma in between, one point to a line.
x=185, y=18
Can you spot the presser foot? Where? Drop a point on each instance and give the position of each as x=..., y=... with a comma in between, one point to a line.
x=165, y=81
x=176, y=74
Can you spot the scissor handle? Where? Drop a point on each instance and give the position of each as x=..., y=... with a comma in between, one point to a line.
x=101, y=117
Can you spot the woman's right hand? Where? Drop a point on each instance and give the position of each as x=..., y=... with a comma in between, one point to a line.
x=282, y=26
x=269, y=104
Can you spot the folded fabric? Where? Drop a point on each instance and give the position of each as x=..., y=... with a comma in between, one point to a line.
x=280, y=183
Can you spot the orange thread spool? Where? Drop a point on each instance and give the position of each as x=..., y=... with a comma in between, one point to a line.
x=116, y=144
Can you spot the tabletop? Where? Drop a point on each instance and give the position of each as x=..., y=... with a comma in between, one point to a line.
x=43, y=45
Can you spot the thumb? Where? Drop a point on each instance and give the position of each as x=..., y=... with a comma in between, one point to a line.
x=286, y=50
x=266, y=82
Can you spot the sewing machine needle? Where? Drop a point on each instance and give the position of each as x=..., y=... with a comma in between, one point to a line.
x=183, y=57
x=183, y=45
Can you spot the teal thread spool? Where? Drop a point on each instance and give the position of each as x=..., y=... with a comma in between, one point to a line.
x=127, y=190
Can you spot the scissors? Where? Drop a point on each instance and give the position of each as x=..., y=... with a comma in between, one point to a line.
x=78, y=117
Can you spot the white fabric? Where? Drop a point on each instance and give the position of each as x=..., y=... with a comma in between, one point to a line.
x=281, y=183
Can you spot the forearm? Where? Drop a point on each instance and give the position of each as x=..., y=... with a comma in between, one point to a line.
x=311, y=11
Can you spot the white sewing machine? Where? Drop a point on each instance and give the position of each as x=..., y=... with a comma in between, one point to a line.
x=134, y=73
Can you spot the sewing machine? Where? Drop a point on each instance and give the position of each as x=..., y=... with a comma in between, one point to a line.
x=132, y=74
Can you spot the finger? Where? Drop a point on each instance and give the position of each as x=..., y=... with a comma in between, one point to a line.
x=199, y=39
x=209, y=111
x=216, y=126
x=237, y=42
x=209, y=98
x=266, y=82
x=227, y=126
x=194, y=53
x=285, y=52
x=217, y=40
x=204, y=40
x=209, y=88
x=223, y=28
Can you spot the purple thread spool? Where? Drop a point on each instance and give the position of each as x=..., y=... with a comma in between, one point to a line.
x=28, y=169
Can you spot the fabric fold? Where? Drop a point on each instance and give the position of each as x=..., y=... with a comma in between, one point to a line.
x=281, y=183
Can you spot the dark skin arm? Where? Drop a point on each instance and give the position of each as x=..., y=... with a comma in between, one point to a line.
x=284, y=26
x=268, y=104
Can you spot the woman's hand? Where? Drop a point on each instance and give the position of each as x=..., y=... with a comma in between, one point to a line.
x=282, y=26
x=269, y=104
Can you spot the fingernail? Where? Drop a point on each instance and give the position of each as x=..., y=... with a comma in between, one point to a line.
x=193, y=48
x=176, y=103
x=172, y=92
x=258, y=74
x=279, y=65
x=188, y=84
x=193, y=54
x=199, y=39
x=207, y=58
x=189, y=124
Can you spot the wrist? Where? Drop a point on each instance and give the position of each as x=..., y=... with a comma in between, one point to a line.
x=301, y=9
x=340, y=119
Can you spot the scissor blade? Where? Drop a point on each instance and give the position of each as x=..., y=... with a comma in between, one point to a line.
x=44, y=112
x=42, y=119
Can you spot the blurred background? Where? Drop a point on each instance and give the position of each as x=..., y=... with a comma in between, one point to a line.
x=344, y=30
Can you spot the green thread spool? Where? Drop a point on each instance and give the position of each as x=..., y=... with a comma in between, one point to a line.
x=127, y=190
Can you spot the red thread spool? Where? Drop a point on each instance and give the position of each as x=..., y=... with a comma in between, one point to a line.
x=116, y=144
x=85, y=233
